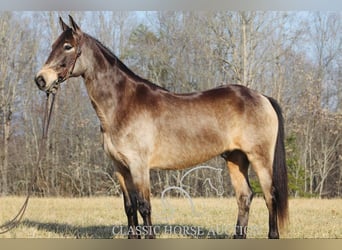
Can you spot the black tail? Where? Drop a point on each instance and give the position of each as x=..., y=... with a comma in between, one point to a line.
x=279, y=178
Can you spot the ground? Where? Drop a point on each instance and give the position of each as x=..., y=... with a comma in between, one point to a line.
x=104, y=217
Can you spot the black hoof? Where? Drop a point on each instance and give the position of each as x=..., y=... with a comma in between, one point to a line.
x=273, y=235
x=239, y=236
x=133, y=237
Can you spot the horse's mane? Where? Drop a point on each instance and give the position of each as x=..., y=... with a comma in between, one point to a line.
x=114, y=60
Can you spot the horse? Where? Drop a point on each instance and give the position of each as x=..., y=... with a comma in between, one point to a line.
x=144, y=126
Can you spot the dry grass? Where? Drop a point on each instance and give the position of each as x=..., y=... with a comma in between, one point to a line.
x=208, y=218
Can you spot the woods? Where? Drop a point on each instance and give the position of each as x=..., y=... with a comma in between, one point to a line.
x=295, y=57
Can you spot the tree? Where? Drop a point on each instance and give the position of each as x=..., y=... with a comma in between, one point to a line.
x=16, y=53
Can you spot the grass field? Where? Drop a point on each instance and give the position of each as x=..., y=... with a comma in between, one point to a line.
x=104, y=217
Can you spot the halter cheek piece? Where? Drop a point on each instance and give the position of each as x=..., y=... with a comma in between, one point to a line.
x=67, y=72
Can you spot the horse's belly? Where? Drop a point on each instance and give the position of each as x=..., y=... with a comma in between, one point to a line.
x=176, y=153
x=183, y=159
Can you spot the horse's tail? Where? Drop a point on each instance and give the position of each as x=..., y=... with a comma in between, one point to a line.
x=279, y=179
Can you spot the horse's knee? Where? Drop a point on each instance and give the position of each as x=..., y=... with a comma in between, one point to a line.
x=130, y=209
x=130, y=204
x=144, y=207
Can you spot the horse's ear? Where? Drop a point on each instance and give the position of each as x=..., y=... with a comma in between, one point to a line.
x=74, y=25
x=63, y=25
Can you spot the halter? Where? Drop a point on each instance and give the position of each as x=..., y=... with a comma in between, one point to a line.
x=67, y=72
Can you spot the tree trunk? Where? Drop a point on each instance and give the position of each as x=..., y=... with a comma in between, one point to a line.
x=6, y=138
x=244, y=49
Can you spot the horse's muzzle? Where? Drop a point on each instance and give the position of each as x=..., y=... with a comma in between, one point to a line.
x=40, y=82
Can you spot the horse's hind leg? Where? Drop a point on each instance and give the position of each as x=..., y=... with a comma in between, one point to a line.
x=237, y=163
x=130, y=200
x=263, y=169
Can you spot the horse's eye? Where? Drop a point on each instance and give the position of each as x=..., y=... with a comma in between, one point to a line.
x=67, y=46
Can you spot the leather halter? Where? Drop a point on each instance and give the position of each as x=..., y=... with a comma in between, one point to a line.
x=67, y=72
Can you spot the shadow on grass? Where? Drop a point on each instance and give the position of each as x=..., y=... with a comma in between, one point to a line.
x=120, y=231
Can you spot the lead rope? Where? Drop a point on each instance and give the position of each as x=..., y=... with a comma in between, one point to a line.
x=41, y=151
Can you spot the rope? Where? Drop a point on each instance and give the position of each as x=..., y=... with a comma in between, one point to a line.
x=46, y=122
x=41, y=151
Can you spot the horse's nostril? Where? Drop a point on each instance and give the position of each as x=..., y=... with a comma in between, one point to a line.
x=40, y=82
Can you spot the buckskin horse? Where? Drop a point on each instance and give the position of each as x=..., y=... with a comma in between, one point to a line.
x=144, y=126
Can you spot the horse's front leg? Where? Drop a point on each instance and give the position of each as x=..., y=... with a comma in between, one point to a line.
x=130, y=202
x=141, y=180
x=144, y=207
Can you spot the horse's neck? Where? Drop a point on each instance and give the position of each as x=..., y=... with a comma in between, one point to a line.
x=107, y=87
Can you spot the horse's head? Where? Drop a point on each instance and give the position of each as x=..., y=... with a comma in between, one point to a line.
x=63, y=61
